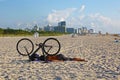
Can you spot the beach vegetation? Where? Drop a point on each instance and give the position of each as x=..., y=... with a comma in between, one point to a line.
x=20, y=32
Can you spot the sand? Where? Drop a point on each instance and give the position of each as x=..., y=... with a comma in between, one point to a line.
x=101, y=52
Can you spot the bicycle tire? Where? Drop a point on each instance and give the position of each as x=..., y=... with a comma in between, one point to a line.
x=25, y=46
x=51, y=42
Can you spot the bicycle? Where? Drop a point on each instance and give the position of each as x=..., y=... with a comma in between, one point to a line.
x=51, y=47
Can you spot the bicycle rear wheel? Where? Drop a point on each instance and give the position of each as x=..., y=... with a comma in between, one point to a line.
x=51, y=46
x=25, y=46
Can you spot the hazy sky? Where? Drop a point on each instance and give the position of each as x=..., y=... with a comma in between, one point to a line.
x=101, y=15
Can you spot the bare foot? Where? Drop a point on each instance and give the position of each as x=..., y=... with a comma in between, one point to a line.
x=79, y=59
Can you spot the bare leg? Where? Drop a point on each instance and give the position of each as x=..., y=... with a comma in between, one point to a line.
x=78, y=59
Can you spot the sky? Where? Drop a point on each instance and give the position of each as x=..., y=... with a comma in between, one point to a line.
x=100, y=15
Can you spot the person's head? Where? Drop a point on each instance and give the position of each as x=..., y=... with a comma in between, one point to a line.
x=115, y=38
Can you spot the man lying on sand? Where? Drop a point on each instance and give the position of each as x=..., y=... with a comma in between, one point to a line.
x=58, y=57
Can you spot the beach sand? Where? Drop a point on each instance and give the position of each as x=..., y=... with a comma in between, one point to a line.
x=101, y=52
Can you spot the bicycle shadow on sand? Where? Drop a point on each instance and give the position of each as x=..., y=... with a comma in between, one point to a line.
x=25, y=61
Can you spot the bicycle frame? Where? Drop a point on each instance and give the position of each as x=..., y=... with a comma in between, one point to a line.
x=40, y=45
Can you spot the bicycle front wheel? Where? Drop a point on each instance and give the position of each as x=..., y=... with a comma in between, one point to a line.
x=25, y=46
x=51, y=46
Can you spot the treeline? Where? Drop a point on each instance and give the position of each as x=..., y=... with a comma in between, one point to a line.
x=20, y=32
x=50, y=33
x=13, y=32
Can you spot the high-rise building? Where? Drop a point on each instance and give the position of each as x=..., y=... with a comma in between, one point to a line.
x=62, y=24
x=35, y=28
x=84, y=30
x=76, y=31
x=70, y=30
x=61, y=27
x=48, y=28
x=90, y=31
x=79, y=31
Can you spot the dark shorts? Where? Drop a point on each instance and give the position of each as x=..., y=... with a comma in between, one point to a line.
x=62, y=57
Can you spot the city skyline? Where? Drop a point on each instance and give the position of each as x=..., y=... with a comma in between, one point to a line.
x=102, y=15
x=61, y=27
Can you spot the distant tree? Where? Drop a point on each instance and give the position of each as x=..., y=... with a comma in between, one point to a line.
x=1, y=31
x=9, y=31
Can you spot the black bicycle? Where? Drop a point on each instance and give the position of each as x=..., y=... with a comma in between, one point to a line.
x=51, y=46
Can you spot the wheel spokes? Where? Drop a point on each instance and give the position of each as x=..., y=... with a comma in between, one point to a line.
x=25, y=46
x=51, y=46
